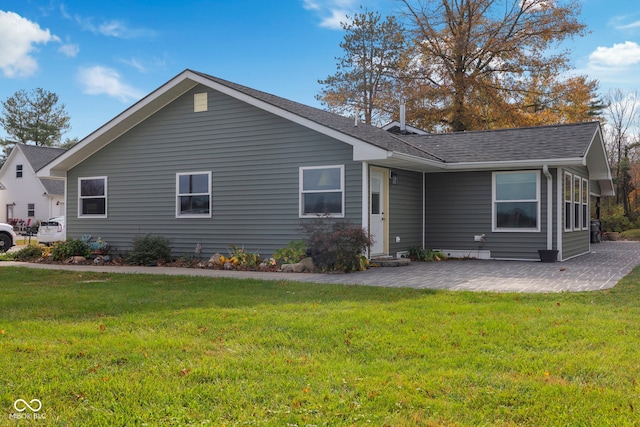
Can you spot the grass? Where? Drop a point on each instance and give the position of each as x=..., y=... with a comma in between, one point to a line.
x=113, y=349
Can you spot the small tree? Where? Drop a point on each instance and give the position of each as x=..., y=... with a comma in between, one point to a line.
x=34, y=118
x=335, y=245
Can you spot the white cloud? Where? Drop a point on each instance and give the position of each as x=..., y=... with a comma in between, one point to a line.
x=17, y=39
x=133, y=62
x=69, y=49
x=331, y=12
x=100, y=80
x=635, y=24
x=113, y=28
x=620, y=55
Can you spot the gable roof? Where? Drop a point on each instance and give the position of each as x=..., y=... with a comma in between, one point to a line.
x=550, y=145
x=39, y=156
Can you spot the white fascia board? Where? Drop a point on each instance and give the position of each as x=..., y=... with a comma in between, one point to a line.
x=417, y=160
x=97, y=140
x=530, y=163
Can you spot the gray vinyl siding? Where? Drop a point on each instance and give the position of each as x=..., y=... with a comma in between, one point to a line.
x=459, y=206
x=405, y=216
x=254, y=157
x=574, y=242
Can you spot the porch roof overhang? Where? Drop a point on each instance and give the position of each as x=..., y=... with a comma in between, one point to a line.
x=598, y=170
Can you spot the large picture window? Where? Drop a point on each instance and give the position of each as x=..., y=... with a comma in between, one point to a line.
x=516, y=201
x=193, y=194
x=92, y=195
x=322, y=191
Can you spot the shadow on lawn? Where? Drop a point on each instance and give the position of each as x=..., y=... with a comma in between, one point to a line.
x=32, y=293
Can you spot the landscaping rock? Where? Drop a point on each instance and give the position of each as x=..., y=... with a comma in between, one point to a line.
x=215, y=259
x=293, y=268
x=308, y=264
x=299, y=267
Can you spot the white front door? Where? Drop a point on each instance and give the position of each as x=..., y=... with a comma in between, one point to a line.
x=377, y=214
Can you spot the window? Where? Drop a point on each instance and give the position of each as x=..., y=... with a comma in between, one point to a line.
x=92, y=197
x=585, y=204
x=31, y=209
x=516, y=201
x=577, y=206
x=18, y=171
x=193, y=195
x=322, y=191
x=568, y=201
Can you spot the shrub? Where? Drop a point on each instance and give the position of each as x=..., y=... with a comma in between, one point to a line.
x=69, y=248
x=96, y=245
x=295, y=251
x=616, y=222
x=28, y=253
x=239, y=257
x=416, y=253
x=335, y=245
x=149, y=249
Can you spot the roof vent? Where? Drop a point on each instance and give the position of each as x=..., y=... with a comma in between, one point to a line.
x=200, y=102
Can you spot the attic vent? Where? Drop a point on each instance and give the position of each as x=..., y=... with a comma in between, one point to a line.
x=200, y=102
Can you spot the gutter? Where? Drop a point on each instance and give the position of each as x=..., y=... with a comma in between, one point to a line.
x=547, y=174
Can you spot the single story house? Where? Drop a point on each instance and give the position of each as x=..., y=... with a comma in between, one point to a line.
x=210, y=163
x=24, y=197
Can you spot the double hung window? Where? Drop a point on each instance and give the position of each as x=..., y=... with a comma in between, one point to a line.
x=322, y=191
x=516, y=201
x=92, y=197
x=193, y=194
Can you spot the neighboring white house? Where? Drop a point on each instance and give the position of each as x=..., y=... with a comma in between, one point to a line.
x=25, y=198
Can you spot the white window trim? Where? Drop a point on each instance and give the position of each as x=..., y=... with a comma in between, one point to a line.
x=586, y=221
x=209, y=193
x=494, y=226
x=568, y=228
x=577, y=225
x=106, y=197
x=301, y=170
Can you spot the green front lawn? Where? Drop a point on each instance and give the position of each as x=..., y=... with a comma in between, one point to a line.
x=114, y=349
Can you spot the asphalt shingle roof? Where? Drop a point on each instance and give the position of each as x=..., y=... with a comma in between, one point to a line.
x=364, y=132
x=39, y=156
x=542, y=142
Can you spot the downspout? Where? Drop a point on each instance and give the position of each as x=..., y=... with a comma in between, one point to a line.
x=365, y=202
x=547, y=174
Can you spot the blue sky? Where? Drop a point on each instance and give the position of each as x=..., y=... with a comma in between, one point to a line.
x=100, y=57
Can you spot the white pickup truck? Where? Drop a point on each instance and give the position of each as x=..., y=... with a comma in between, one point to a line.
x=7, y=237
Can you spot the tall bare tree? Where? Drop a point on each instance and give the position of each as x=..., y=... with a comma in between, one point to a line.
x=480, y=63
x=366, y=77
x=623, y=117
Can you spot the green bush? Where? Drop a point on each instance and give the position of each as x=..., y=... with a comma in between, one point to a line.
x=616, y=222
x=295, y=251
x=149, y=249
x=28, y=253
x=70, y=248
x=335, y=245
x=416, y=253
